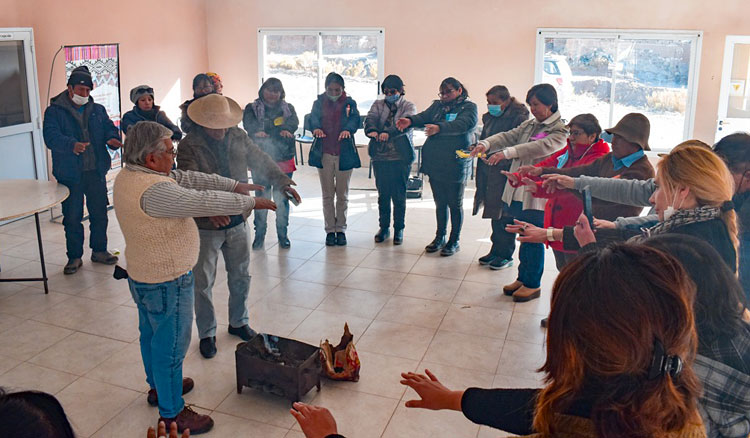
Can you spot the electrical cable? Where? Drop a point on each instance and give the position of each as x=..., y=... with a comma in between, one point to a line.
x=51, y=70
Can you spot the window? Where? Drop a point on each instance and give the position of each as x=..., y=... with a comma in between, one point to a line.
x=301, y=59
x=612, y=73
x=14, y=101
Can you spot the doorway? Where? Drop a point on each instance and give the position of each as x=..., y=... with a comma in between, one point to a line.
x=21, y=146
x=734, y=98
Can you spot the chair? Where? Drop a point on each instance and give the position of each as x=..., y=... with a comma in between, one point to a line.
x=304, y=138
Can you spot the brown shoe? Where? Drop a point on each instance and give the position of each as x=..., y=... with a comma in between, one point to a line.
x=187, y=386
x=510, y=288
x=524, y=294
x=189, y=419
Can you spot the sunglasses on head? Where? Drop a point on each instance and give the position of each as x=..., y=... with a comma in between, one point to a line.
x=142, y=90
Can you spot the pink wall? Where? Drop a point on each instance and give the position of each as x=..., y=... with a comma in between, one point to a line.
x=160, y=41
x=481, y=42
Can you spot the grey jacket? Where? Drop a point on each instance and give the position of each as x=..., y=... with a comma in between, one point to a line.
x=622, y=191
x=527, y=145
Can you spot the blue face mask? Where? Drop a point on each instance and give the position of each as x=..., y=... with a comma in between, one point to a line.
x=495, y=110
x=393, y=98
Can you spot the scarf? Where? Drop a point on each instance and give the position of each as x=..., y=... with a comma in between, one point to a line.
x=445, y=108
x=259, y=108
x=680, y=218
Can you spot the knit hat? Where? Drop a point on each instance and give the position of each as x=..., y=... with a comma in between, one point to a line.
x=140, y=91
x=215, y=111
x=81, y=76
x=635, y=128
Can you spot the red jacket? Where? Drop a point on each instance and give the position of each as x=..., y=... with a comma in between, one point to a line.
x=564, y=207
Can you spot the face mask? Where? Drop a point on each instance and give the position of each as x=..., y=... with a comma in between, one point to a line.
x=670, y=211
x=333, y=98
x=393, y=98
x=495, y=110
x=80, y=100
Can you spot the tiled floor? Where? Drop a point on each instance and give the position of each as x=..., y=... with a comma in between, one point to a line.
x=408, y=311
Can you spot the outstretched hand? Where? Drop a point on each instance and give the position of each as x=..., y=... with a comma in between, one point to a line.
x=527, y=232
x=163, y=431
x=554, y=182
x=433, y=394
x=583, y=232
x=315, y=421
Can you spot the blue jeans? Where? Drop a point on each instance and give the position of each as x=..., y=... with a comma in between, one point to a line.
x=165, y=317
x=282, y=209
x=233, y=244
x=531, y=255
x=94, y=188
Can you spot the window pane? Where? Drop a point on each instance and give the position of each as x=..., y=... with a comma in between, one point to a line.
x=580, y=70
x=14, y=100
x=739, y=91
x=651, y=77
x=355, y=57
x=294, y=60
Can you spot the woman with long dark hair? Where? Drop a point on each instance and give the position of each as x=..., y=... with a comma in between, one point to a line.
x=449, y=124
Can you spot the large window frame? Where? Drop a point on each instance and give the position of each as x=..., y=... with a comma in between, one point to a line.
x=695, y=36
x=379, y=33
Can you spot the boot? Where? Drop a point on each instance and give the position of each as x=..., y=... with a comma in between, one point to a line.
x=523, y=294
x=189, y=419
x=511, y=288
x=450, y=248
x=398, y=237
x=436, y=245
x=383, y=233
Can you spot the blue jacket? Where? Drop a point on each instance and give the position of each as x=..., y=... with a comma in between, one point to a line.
x=135, y=115
x=62, y=130
x=349, y=156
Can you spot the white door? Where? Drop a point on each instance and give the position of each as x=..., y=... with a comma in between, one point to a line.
x=21, y=145
x=734, y=99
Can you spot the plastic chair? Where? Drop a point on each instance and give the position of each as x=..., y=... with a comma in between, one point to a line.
x=303, y=137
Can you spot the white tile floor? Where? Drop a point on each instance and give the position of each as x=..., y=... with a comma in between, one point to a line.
x=408, y=310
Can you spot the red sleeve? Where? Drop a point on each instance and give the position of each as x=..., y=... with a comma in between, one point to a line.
x=551, y=161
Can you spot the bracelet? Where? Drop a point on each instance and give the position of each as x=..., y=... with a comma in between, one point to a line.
x=550, y=234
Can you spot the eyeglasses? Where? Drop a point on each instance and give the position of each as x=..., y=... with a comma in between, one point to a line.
x=447, y=92
x=142, y=90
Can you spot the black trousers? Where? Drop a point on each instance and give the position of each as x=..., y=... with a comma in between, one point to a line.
x=93, y=188
x=503, y=243
x=449, y=198
x=390, y=180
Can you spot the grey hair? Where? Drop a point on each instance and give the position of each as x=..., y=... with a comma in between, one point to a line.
x=142, y=139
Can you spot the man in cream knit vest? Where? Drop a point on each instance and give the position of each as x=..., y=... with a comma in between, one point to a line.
x=155, y=207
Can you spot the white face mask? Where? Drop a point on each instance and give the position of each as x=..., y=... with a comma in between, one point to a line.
x=80, y=100
x=670, y=210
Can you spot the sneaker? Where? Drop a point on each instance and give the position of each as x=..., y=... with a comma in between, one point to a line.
x=436, y=245
x=511, y=288
x=398, y=237
x=104, y=257
x=72, y=266
x=341, y=239
x=259, y=242
x=487, y=259
x=153, y=397
x=450, y=248
x=382, y=234
x=207, y=347
x=499, y=264
x=189, y=419
x=523, y=294
x=284, y=243
x=244, y=332
x=330, y=239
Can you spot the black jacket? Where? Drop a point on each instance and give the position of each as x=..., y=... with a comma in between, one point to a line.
x=135, y=115
x=490, y=180
x=439, y=160
x=278, y=147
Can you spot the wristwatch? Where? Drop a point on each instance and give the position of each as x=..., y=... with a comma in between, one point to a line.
x=550, y=234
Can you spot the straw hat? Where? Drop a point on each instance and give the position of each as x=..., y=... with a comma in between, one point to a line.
x=633, y=127
x=215, y=111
